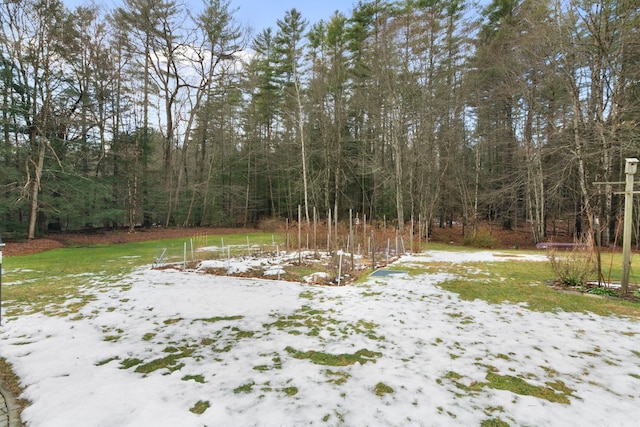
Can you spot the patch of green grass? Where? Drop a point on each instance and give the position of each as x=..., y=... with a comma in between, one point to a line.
x=367, y=329
x=523, y=282
x=200, y=407
x=370, y=294
x=170, y=362
x=493, y=422
x=239, y=334
x=196, y=378
x=277, y=363
x=305, y=320
x=337, y=377
x=148, y=336
x=307, y=294
x=11, y=382
x=381, y=389
x=561, y=387
x=555, y=391
x=290, y=391
x=520, y=386
x=218, y=319
x=105, y=361
x=298, y=272
x=50, y=280
x=245, y=388
x=319, y=358
x=129, y=363
x=605, y=292
x=434, y=267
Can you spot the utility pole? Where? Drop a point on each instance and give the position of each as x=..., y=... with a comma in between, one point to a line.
x=630, y=169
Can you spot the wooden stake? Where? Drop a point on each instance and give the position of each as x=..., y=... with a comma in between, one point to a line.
x=351, y=236
x=299, y=234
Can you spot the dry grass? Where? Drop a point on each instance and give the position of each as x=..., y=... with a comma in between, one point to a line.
x=11, y=383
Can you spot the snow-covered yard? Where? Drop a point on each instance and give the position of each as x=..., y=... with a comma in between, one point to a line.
x=167, y=348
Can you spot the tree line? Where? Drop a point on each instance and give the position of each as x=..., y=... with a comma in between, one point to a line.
x=154, y=114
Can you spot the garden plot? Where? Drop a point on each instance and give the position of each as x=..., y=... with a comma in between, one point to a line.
x=307, y=266
x=167, y=348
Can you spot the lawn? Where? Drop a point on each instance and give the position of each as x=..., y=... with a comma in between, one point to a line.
x=460, y=337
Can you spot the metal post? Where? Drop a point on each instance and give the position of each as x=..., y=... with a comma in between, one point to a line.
x=630, y=170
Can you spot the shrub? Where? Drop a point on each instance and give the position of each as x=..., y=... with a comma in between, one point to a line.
x=575, y=266
x=481, y=240
x=269, y=225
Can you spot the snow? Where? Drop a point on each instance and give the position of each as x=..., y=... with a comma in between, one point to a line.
x=240, y=333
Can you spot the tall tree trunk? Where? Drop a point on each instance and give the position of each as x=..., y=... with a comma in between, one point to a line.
x=35, y=188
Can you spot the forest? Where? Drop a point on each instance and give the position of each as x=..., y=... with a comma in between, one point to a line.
x=149, y=113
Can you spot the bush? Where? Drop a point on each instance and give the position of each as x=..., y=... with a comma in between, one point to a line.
x=269, y=225
x=576, y=266
x=481, y=240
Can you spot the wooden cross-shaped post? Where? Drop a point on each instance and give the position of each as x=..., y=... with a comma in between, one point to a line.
x=630, y=169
